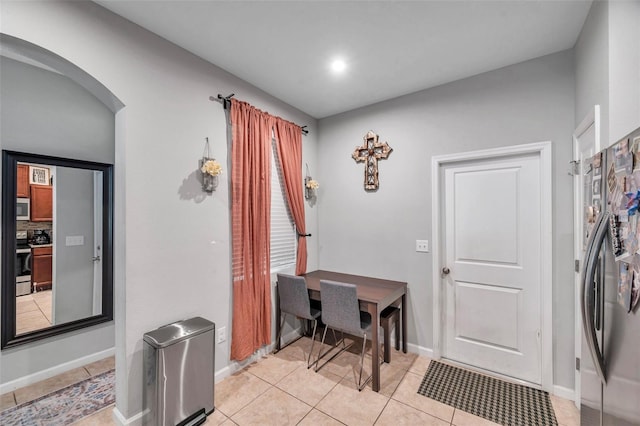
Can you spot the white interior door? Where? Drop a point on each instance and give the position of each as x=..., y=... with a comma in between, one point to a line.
x=586, y=142
x=492, y=307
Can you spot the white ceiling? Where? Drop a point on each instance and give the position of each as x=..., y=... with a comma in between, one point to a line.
x=391, y=48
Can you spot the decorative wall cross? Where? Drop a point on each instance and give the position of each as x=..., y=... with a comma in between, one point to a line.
x=370, y=152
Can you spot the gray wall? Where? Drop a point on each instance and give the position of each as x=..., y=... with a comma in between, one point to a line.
x=375, y=233
x=172, y=240
x=592, y=68
x=624, y=68
x=74, y=266
x=47, y=113
x=607, y=57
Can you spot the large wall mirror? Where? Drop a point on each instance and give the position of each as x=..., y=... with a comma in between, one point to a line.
x=57, y=246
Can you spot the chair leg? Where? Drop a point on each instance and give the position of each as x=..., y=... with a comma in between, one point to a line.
x=321, y=355
x=361, y=385
x=313, y=340
x=282, y=317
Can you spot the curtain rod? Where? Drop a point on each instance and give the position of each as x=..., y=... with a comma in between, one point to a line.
x=226, y=103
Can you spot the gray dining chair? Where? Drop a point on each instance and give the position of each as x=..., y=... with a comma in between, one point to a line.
x=294, y=300
x=341, y=312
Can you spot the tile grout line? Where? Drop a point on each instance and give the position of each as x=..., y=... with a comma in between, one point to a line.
x=275, y=385
x=382, y=411
x=42, y=312
x=388, y=398
x=313, y=407
x=256, y=397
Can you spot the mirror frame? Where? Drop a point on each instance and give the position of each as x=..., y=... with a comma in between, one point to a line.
x=10, y=161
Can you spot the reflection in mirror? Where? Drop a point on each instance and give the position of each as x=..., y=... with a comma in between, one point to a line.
x=59, y=277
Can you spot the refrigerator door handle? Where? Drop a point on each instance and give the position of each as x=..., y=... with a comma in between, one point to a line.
x=587, y=296
x=597, y=291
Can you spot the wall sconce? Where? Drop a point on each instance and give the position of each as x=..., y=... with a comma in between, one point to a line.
x=210, y=169
x=310, y=185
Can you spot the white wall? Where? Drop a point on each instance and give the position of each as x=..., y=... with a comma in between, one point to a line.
x=172, y=240
x=375, y=233
x=47, y=113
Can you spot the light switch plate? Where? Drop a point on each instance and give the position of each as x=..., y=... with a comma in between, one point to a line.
x=422, y=246
x=77, y=240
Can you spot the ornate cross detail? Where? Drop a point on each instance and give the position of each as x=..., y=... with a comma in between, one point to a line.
x=370, y=152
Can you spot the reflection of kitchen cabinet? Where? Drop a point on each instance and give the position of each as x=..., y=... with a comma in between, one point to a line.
x=22, y=187
x=41, y=268
x=41, y=203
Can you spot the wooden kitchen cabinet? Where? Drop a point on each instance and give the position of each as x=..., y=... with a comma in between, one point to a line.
x=22, y=184
x=41, y=268
x=41, y=203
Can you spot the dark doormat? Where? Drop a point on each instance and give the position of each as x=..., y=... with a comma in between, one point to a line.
x=501, y=402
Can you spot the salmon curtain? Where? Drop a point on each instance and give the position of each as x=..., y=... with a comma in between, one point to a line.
x=250, y=223
x=289, y=143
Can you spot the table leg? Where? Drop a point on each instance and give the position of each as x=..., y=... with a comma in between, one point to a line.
x=404, y=323
x=375, y=364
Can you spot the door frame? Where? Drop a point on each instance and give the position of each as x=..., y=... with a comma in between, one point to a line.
x=97, y=242
x=544, y=151
x=591, y=119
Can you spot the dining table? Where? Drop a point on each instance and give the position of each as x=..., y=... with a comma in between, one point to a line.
x=374, y=295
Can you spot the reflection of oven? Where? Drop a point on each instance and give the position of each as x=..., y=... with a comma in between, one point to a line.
x=23, y=264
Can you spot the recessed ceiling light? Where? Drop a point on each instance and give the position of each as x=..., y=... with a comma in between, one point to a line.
x=338, y=66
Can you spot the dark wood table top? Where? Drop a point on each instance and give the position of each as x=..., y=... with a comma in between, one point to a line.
x=373, y=290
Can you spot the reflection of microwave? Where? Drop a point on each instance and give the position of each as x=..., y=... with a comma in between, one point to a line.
x=22, y=209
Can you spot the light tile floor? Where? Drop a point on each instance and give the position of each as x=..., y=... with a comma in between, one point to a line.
x=280, y=390
x=33, y=311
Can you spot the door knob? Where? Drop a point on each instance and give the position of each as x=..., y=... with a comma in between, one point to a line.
x=445, y=271
x=96, y=259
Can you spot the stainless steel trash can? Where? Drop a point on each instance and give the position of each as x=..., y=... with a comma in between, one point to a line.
x=179, y=368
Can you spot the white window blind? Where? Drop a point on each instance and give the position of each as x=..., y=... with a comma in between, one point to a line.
x=283, y=230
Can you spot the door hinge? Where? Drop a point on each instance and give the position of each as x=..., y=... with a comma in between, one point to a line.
x=577, y=364
x=576, y=265
x=575, y=167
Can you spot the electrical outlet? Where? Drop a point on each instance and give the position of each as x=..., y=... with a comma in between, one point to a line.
x=222, y=334
x=422, y=246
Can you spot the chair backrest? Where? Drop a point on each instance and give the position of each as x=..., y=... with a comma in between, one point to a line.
x=294, y=297
x=340, y=307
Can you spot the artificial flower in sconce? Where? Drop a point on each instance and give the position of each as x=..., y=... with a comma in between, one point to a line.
x=210, y=169
x=310, y=186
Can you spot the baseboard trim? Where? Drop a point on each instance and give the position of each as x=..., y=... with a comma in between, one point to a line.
x=54, y=371
x=563, y=392
x=420, y=350
x=235, y=366
x=120, y=420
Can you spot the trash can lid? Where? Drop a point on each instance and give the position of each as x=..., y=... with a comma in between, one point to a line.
x=175, y=332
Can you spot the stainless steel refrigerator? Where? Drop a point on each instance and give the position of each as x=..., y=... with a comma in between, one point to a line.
x=610, y=287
